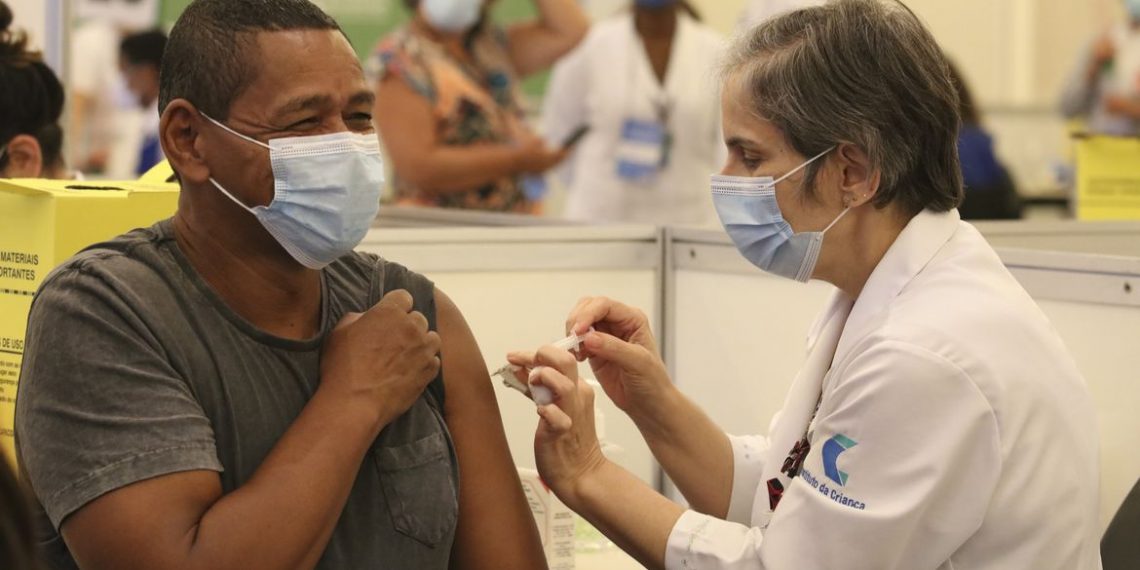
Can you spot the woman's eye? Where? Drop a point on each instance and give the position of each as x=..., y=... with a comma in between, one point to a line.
x=751, y=162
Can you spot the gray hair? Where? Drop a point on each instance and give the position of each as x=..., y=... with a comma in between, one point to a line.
x=864, y=72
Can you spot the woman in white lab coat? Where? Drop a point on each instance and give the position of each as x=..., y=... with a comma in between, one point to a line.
x=938, y=423
x=639, y=83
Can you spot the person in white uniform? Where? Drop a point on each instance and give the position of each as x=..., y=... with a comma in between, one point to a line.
x=639, y=82
x=938, y=422
x=1104, y=87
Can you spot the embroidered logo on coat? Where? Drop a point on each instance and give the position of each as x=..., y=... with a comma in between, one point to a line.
x=832, y=449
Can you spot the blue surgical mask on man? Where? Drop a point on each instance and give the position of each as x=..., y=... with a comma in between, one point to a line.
x=452, y=16
x=750, y=213
x=326, y=193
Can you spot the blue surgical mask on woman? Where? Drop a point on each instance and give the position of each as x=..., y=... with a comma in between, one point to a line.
x=326, y=193
x=452, y=16
x=751, y=215
x=654, y=3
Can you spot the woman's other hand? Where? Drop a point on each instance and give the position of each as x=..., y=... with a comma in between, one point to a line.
x=566, y=447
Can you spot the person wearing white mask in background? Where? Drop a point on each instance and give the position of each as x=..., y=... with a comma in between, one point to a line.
x=101, y=103
x=450, y=110
x=1104, y=88
x=938, y=422
x=636, y=93
x=759, y=11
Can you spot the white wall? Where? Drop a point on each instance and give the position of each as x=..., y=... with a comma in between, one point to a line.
x=1014, y=52
x=43, y=21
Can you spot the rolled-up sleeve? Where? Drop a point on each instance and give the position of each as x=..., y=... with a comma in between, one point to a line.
x=748, y=454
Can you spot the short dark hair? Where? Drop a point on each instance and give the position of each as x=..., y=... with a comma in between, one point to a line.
x=144, y=48
x=865, y=72
x=207, y=59
x=31, y=96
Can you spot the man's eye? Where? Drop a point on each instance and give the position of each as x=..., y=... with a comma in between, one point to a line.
x=305, y=124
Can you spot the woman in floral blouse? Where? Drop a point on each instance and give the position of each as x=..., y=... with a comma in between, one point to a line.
x=449, y=108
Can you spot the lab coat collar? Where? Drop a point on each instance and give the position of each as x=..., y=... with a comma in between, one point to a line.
x=912, y=251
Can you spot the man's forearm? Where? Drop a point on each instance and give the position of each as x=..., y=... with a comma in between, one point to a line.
x=284, y=516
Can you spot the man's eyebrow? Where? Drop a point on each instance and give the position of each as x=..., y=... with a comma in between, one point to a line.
x=303, y=103
x=364, y=97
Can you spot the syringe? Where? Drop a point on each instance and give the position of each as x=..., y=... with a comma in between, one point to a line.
x=540, y=394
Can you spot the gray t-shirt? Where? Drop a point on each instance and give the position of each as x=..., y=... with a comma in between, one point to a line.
x=135, y=368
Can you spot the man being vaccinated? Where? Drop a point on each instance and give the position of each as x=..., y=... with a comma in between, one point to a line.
x=235, y=387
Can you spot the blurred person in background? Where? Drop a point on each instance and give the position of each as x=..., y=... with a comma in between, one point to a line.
x=758, y=11
x=31, y=102
x=990, y=191
x=639, y=83
x=17, y=540
x=1104, y=89
x=449, y=108
x=99, y=96
x=140, y=58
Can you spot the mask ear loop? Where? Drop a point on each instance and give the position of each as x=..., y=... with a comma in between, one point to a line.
x=802, y=166
x=836, y=220
x=233, y=132
x=803, y=275
x=225, y=192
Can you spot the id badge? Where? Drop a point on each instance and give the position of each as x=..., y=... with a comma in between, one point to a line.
x=642, y=150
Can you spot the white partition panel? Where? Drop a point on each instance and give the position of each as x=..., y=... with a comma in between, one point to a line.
x=1094, y=303
x=1103, y=238
x=515, y=288
x=736, y=336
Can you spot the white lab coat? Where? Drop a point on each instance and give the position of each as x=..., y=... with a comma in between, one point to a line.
x=609, y=79
x=966, y=437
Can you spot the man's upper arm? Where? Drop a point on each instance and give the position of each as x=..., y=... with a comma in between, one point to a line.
x=490, y=489
x=99, y=406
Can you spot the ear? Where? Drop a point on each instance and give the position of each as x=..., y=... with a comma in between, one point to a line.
x=179, y=132
x=25, y=158
x=859, y=179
